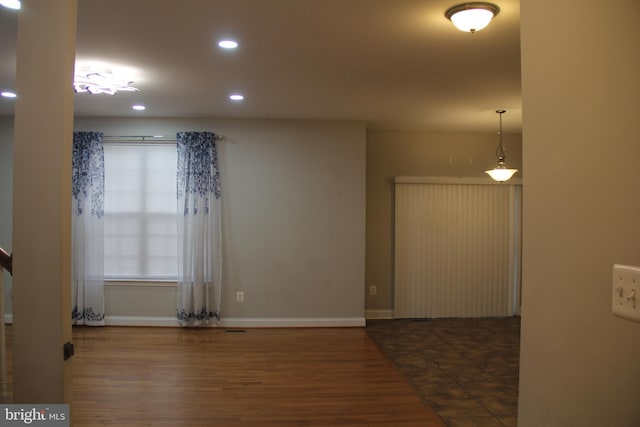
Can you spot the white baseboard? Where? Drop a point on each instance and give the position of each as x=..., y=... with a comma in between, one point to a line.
x=287, y=322
x=242, y=322
x=320, y=322
x=125, y=321
x=378, y=314
x=140, y=321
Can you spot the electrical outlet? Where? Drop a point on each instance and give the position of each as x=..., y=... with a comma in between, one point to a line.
x=373, y=290
x=625, y=301
x=239, y=296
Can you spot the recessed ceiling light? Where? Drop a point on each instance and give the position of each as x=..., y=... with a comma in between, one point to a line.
x=8, y=94
x=11, y=4
x=139, y=107
x=236, y=97
x=228, y=44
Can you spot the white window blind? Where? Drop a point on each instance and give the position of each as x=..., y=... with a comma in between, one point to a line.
x=140, y=211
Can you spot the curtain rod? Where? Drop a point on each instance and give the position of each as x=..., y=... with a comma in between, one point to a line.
x=150, y=137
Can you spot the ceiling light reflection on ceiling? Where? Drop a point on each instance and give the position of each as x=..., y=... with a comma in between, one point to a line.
x=7, y=94
x=472, y=17
x=96, y=83
x=228, y=44
x=236, y=97
x=11, y=4
x=139, y=107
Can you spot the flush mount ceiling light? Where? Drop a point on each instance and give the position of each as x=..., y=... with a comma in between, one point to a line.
x=472, y=17
x=7, y=94
x=236, y=97
x=11, y=4
x=101, y=82
x=501, y=172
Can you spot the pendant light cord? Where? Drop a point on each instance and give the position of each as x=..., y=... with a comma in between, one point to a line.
x=500, y=150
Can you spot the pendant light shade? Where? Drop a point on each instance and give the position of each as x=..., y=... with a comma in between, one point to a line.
x=501, y=173
x=472, y=17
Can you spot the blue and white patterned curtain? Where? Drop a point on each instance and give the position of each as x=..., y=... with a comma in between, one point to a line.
x=199, y=229
x=87, y=262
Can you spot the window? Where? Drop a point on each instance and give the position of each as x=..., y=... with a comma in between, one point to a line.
x=140, y=238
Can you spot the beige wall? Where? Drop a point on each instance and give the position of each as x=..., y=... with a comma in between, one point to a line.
x=42, y=202
x=415, y=153
x=580, y=68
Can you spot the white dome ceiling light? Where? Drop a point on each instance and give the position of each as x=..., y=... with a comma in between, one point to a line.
x=472, y=17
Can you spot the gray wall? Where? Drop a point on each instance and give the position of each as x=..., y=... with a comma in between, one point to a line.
x=318, y=167
x=293, y=223
x=580, y=68
x=414, y=153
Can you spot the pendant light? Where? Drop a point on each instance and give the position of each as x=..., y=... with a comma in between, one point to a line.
x=501, y=172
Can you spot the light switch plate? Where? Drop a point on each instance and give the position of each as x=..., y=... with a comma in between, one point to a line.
x=625, y=300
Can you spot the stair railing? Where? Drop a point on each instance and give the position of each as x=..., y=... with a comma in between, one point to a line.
x=6, y=263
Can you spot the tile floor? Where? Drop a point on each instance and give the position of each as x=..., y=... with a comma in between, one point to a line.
x=465, y=369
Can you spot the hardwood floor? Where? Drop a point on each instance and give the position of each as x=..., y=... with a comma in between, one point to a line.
x=260, y=377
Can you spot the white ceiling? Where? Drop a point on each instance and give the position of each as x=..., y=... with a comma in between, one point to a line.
x=395, y=64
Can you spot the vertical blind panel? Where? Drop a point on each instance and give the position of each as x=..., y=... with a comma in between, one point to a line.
x=452, y=244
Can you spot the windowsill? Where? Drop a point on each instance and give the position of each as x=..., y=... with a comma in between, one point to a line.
x=144, y=283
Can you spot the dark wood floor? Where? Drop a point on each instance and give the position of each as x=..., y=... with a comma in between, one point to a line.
x=260, y=377
x=465, y=369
